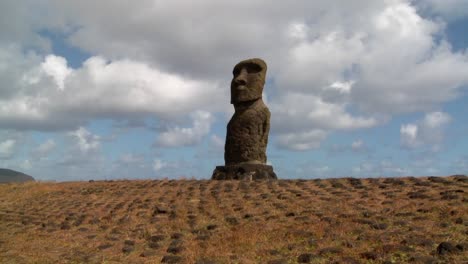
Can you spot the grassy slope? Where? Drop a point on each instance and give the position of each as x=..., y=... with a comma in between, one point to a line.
x=321, y=221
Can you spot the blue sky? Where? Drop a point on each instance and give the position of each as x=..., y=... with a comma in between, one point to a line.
x=121, y=89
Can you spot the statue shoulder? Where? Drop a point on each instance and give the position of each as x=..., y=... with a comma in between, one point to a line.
x=263, y=109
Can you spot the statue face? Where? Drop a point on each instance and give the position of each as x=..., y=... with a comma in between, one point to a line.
x=248, y=80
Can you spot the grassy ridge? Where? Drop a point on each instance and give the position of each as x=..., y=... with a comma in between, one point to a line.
x=387, y=220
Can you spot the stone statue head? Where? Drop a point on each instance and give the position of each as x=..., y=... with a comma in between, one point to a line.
x=248, y=80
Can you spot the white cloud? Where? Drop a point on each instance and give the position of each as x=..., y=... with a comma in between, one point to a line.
x=461, y=163
x=45, y=148
x=409, y=133
x=449, y=9
x=100, y=89
x=313, y=171
x=401, y=57
x=302, y=141
x=186, y=136
x=129, y=161
x=26, y=165
x=428, y=131
x=217, y=142
x=7, y=148
x=324, y=57
x=357, y=145
x=29, y=16
x=364, y=169
x=298, y=117
x=131, y=158
x=296, y=111
x=318, y=42
x=333, y=67
x=380, y=168
x=342, y=87
x=56, y=67
x=159, y=165
x=298, y=31
x=436, y=119
x=389, y=168
x=390, y=61
x=86, y=141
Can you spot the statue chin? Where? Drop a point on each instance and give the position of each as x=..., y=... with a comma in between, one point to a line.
x=242, y=98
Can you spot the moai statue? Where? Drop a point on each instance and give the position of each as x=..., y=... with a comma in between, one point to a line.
x=247, y=131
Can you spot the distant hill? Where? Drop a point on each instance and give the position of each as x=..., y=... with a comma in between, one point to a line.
x=7, y=175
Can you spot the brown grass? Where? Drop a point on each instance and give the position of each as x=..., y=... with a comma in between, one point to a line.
x=393, y=220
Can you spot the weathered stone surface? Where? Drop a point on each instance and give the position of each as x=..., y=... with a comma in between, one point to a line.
x=247, y=131
x=248, y=80
x=247, y=134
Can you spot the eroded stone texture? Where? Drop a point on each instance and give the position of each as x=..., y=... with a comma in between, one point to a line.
x=247, y=131
x=247, y=134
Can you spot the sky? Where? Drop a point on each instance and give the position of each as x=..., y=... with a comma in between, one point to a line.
x=117, y=89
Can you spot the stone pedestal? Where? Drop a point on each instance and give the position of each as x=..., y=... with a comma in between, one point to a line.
x=244, y=172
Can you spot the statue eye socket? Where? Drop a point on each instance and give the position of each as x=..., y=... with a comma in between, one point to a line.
x=250, y=67
x=253, y=68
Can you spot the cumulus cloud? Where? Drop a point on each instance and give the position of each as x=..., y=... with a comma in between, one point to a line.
x=186, y=136
x=342, y=87
x=159, y=165
x=217, y=142
x=357, y=145
x=409, y=134
x=366, y=57
x=314, y=170
x=381, y=68
x=132, y=165
x=7, y=148
x=380, y=168
x=47, y=146
x=56, y=67
x=52, y=96
x=131, y=158
x=303, y=117
x=449, y=9
x=85, y=140
x=173, y=168
x=332, y=67
x=301, y=141
x=25, y=165
x=436, y=119
x=296, y=111
x=397, y=72
x=325, y=57
x=428, y=131
x=44, y=149
x=20, y=21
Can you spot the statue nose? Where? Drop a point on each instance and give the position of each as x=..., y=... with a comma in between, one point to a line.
x=240, y=81
x=241, y=78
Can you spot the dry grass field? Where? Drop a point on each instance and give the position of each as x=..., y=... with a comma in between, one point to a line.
x=385, y=220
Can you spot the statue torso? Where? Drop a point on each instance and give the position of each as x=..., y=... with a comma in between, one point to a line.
x=247, y=135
